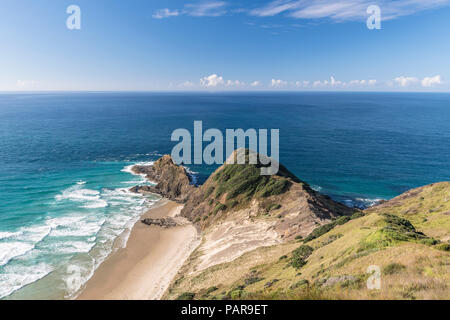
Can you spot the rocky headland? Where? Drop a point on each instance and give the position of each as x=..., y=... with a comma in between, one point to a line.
x=276, y=237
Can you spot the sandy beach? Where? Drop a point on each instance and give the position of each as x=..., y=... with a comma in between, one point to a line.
x=144, y=268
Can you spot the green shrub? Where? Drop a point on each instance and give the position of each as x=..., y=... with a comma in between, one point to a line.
x=301, y=283
x=219, y=207
x=297, y=262
x=274, y=187
x=236, y=294
x=303, y=251
x=319, y=231
x=208, y=192
x=246, y=180
x=341, y=220
x=300, y=255
x=393, y=268
x=233, y=203
x=401, y=229
x=211, y=290
x=252, y=280
x=443, y=247
x=396, y=229
x=332, y=238
x=186, y=296
x=273, y=206
x=357, y=215
x=429, y=241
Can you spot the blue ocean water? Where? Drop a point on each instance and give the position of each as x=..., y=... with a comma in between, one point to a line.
x=64, y=160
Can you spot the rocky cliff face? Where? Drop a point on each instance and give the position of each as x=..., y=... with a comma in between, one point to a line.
x=237, y=192
x=172, y=181
x=240, y=210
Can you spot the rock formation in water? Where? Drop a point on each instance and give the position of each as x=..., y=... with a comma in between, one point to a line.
x=172, y=181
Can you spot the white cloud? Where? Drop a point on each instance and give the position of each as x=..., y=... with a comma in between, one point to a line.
x=332, y=82
x=431, y=81
x=370, y=82
x=405, y=81
x=26, y=84
x=274, y=8
x=165, y=13
x=235, y=83
x=278, y=83
x=336, y=10
x=319, y=83
x=335, y=82
x=344, y=9
x=202, y=9
x=219, y=83
x=212, y=81
x=206, y=9
x=303, y=83
x=187, y=84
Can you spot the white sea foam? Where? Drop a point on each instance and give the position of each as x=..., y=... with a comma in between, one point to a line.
x=35, y=234
x=131, y=182
x=362, y=202
x=369, y=202
x=14, y=278
x=77, y=228
x=188, y=170
x=10, y=250
x=7, y=234
x=86, y=234
x=96, y=204
x=129, y=168
x=76, y=194
x=89, y=199
x=69, y=247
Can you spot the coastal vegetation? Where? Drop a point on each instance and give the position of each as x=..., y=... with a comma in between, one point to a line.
x=273, y=237
x=333, y=263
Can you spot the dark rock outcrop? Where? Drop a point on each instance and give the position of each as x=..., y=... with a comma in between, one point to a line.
x=161, y=222
x=172, y=181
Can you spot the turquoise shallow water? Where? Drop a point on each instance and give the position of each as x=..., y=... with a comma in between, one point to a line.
x=64, y=158
x=64, y=226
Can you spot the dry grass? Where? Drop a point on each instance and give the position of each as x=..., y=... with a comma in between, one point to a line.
x=418, y=271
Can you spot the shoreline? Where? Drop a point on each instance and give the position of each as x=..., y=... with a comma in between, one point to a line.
x=144, y=268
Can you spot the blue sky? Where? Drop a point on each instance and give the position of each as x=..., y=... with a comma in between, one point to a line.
x=225, y=45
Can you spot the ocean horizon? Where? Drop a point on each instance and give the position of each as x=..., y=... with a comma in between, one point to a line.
x=65, y=163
